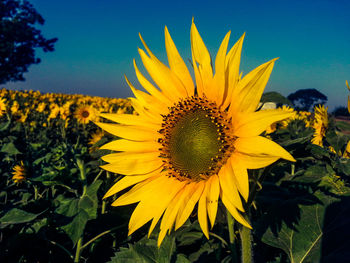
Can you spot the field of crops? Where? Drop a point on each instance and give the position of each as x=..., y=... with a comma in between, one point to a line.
x=52, y=187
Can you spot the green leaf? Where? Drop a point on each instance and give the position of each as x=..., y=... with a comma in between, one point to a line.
x=146, y=251
x=181, y=258
x=5, y=125
x=67, y=206
x=10, y=149
x=303, y=243
x=17, y=216
x=318, y=151
x=89, y=202
x=75, y=229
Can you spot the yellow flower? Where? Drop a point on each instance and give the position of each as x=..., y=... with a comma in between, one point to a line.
x=19, y=173
x=2, y=107
x=95, y=137
x=346, y=153
x=23, y=116
x=191, y=143
x=54, y=110
x=41, y=107
x=65, y=110
x=14, y=108
x=320, y=124
x=85, y=113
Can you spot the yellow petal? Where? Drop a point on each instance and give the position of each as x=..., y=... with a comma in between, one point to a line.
x=130, y=132
x=153, y=205
x=201, y=55
x=126, y=156
x=233, y=211
x=254, y=123
x=131, y=146
x=147, y=101
x=228, y=186
x=250, y=89
x=260, y=146
x=176, y=63
x=126, y=182
x=191, y=202
x=240, y=176
x=150, y=88
x=130, y=119
x=256, y=162
x=212, y=198
x=171, y=213
x=202, y=211
x=166, y=80
x=134, y=166
x=138, y=107
x=219, y=77
x=140, y=191
x=232, y=62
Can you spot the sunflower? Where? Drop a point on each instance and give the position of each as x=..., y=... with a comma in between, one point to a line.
x=2, y=107
x=41, y=107
x=346, y=153
x=85, y=113
x=19, y=173
x=320, y=124
x=191, y=143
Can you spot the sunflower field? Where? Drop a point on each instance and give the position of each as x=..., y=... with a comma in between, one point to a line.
x=52, y=186
x=194, y=168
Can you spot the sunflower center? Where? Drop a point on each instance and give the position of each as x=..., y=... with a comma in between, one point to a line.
x=196, y=140
x=85, y=114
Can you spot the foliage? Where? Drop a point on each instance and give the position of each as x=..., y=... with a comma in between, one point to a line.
x=275, y=97
x=340, y=111
x=19, y=38
x=305, y=99
x=300, y=211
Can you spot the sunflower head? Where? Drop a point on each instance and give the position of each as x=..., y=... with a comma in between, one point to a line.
x=85, y=113
x=191, y=143
x=19, y=173
x=2, y=106
x=320, y=124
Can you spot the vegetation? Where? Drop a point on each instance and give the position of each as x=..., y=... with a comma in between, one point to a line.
x=19, y=39
x=52, y=187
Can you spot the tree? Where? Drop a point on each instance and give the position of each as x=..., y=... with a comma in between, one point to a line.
x=304, y=99
x=19, y=39
x=275, y=97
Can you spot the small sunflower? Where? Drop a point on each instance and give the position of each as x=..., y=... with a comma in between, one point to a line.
x=19, y=173
x=41, y=107
x=346, y=153
x=2, y=107
x=320, y=124
x=191, y=143
x=85, y=113
x=95, y=137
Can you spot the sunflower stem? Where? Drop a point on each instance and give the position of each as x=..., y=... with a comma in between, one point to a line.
x=246, y=243
x=81, y=167
x=230, y=225
x=104, y=203
x=78, y=250
x=232, y=236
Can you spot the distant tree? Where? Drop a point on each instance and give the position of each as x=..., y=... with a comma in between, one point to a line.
x=341, y=111
x=275, y=97
x=306, y=99
x=19, y=39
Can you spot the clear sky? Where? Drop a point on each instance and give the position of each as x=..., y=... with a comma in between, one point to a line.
x=97, y=40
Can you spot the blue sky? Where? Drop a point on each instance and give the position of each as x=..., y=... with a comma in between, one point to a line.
x=99, y=38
